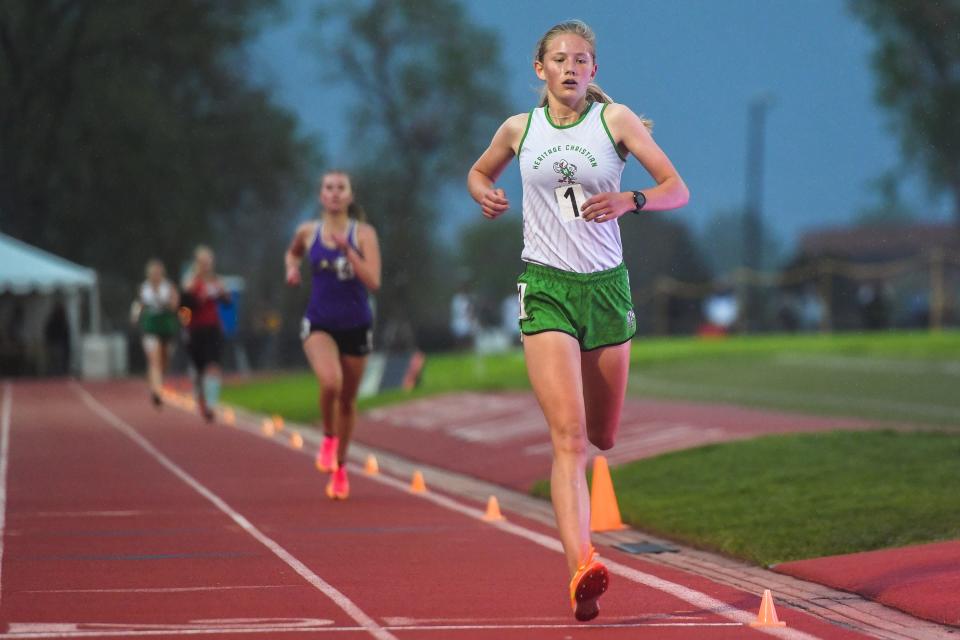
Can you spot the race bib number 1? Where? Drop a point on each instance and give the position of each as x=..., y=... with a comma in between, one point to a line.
x=570, y=198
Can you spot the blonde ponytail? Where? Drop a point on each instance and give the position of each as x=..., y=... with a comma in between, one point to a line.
x=356, y=212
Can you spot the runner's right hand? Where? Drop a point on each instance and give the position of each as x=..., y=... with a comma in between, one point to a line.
x=293, y=276
x=494, y=203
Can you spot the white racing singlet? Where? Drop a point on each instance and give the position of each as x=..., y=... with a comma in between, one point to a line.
x=156, y=299
x=561, y=166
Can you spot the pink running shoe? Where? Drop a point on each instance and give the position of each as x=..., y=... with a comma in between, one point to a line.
x=327, y=455
x=339, y=487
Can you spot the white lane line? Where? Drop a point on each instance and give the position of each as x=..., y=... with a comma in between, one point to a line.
x=166, y=589
x=56, y=631
x=699, y=600
x=567, y=625
x=85, y=514
x=94, y=630
x=319, y=583
x=646, y=619
x=4, y=462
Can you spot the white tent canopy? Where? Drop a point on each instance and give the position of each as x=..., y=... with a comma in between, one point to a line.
x=34, y=275
x=27, y=269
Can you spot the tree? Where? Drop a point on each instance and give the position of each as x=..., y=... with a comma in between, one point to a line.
x=917, y=62
x=427, y=100
x=130, y=130
x=889, y=209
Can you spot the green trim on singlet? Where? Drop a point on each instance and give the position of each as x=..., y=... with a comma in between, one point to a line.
x=603, y=120
x=546, y=111
x=524, y=137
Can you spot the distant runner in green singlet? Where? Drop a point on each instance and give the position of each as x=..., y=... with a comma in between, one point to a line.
x=155, y=309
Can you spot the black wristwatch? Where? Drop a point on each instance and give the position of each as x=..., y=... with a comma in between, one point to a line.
x=639, y=200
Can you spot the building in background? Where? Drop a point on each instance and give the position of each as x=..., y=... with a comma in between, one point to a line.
x=881, y=276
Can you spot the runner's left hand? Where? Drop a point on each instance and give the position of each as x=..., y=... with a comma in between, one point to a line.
x=605, y=207
x=340, y=239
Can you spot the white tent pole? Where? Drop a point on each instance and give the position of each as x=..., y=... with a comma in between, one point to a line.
x=95, y=307
x=73, y=321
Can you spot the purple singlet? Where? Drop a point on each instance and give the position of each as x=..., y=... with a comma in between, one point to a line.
x=338, y=300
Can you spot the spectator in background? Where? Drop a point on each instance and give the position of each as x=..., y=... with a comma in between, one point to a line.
x=463, y=318
x=874, y=308
x=811, y=312
x=509, y=312
x=56, y=332
x=13, y=339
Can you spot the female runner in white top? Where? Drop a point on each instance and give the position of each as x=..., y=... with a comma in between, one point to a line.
x=581, y=392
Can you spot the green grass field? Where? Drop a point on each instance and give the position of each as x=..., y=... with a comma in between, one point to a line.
x=899, y=377
x=294, y=395
x=781, y=498
x=771, y=499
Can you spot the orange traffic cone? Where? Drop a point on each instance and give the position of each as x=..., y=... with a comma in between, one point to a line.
x=493, y=510
x=371, y=468
x=277, y=422
x=267, y=427
x=767, y=617
x=604, y=512
x=296, y=440
x=417, y=485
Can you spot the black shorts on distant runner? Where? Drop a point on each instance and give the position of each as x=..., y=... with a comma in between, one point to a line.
x=204, y=346
x=357, y=341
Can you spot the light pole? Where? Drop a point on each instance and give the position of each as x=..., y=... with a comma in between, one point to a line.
x=752, y=213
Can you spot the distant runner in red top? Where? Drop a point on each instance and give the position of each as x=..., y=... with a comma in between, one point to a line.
x=202, y=290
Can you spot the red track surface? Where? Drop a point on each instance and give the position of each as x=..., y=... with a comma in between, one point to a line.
x=122, y=521
x=923, y=580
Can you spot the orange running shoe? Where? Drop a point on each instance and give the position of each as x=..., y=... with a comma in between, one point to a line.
x=339, y=487
x=588, y=584
x=327, y=455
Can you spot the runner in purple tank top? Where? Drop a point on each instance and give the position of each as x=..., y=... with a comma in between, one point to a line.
x=344, y=257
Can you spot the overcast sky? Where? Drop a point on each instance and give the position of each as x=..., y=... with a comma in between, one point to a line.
x=693, y=66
